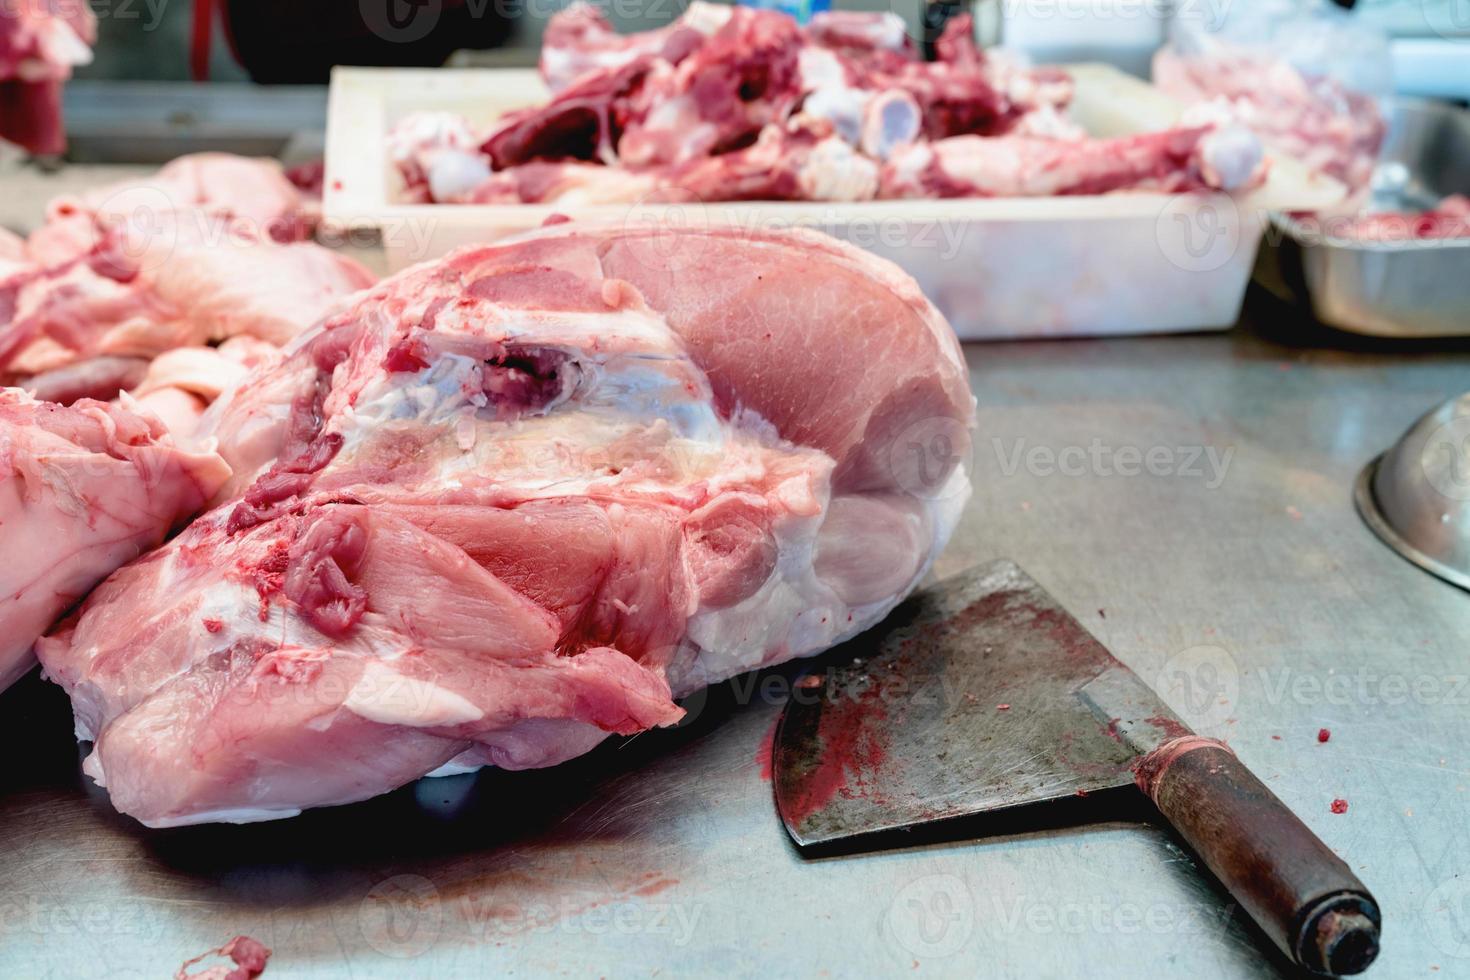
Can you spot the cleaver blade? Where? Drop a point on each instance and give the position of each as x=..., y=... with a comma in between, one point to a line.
x=983, y=694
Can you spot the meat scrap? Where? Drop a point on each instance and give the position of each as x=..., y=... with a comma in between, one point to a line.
x=1316, y=120
x=512, y=502
x=207, y=249
x=1021, y=166
x=41, y=41
x=1450, y=218
x=249, y=956
x=735, y=103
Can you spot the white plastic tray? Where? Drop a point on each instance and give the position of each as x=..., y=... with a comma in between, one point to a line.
x=997, y=267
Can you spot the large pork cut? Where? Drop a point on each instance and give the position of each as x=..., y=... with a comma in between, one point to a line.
x=83, y=490
x=516, y=500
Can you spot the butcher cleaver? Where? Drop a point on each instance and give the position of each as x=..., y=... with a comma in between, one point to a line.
x=983, y=694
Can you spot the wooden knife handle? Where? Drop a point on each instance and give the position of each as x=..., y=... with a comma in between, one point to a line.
x=1302, y=894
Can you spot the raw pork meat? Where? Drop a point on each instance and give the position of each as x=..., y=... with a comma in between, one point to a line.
x=718, y=96
x=732, y=104
x=580, y=39
x=516, y=500
x=180, y=384
x=1178, y=160
x=1316, y=121
x=801, y=161
x=41, y=41
x=1448, y=219
x=250, y=198
x=863, y=36
x=83, y=491
x=205, y=250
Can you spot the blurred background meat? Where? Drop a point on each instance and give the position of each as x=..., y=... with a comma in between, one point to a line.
x=41, y=41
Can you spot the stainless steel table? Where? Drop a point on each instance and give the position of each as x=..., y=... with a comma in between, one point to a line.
x=1241, y=583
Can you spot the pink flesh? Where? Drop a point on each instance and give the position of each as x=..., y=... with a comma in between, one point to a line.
x=745, y=105
x=204, y=250
x=1449, y=219
x=384, y=588
x=40, y=44
x=1315, y=120
x=1027, y=166
x=83, y=490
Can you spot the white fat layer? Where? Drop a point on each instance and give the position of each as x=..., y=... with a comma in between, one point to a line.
x=707, y=18
x=1230, y=157
x=820, y=69
x=608, y=330
x=236, y=815
x=424, y=131
x=637, y=396
x=677, y=115
x=841, y=106
x=837, y=172
x=910, y=162
x=385, y=696
x=795, y=614
x=454, y=174
x=454, y=767
x=890, y=31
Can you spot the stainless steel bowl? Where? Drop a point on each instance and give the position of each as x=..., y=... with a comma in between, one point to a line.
x=1387, y=289
x=1416, y=496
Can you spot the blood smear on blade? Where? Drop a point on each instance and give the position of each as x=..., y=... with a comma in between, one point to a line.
x=765, y=753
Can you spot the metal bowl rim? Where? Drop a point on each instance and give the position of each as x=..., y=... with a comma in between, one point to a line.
x=1367, y=505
